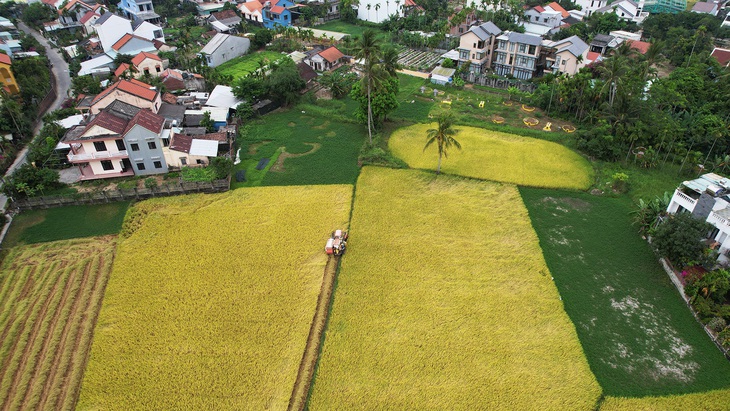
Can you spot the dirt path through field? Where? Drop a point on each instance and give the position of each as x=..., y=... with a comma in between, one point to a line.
x=279, y=165
x=311, y=352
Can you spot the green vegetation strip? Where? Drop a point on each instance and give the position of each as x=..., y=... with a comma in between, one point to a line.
x=638, y=335
x=62, y=223
x=245, y=65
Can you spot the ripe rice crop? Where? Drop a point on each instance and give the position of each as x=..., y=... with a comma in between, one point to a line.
x=492, y=155
x=50, y=295
x=211, y=299
x=444, y=302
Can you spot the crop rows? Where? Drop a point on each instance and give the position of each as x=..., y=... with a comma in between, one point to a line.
x=418, y=59
x=49, y=298
x=496, y=156
x=211, y=299
x=444, y=302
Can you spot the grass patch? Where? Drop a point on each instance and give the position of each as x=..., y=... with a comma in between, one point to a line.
x=317, y=148
x=643, y=183
x=444, y=302
x=343, y=27
x=219, y=316
x=639, y=336
x=245, y=65
x=49, y=296
x=61, y=223
x=496, y=156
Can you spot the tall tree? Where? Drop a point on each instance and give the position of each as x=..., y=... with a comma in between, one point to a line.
x=368, y=48
x=443, y=136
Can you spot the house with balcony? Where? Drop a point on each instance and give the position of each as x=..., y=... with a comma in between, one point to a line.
x=71, y=14
x=133, y=92
x=223, y=47
x=476, y=45
x=7, y=79
x=541, y=20
x=139, y=10
x=628, y=10
x=277, y=13
x=566, y=56
x=707, y=198
x=517, y=54
x=120, y=141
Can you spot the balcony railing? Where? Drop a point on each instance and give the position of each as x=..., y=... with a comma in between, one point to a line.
x=684, y=200
x=717, y=221
x=100, y=155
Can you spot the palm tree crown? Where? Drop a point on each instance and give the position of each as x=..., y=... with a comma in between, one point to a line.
x=443, y=136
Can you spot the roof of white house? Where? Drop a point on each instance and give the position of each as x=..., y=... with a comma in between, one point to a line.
x=573, y=44
x=218, y=25
x=216, y=42
x=208, y=148
x=217, y=114
x=706, y=180
x=70, y=121
x=88, y=66
x=704, y=7
x=443, y=72
x=222, y=96
x=514, y=37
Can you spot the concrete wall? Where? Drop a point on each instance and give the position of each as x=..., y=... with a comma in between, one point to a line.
x=231, y=48
x=145, y=155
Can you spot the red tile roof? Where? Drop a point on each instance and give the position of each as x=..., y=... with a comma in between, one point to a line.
x=332, y=54
x=88, y=16
x=147, y=119
x=115, y=124
x=133, y=87
x=539, y=9
x=139, y=58
x=225, y=14
x=251, y=6
x=121, y=69
x=173, y=83
x=592, y=56
x=5, y=59
x=51, y=3
x=641, y=46
x=277, y=9
x=169, y=98
x=557, y=7
x=125, y=39
x=721, y=55
x=181, y=142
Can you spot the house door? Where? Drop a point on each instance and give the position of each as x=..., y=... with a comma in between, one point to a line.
x=126, y=165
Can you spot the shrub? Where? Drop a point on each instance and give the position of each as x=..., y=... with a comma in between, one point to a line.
x=221, y=167
x=680, y=239
x=150, y=183
x=620, y=182
x=28, y=181
x=717, y=324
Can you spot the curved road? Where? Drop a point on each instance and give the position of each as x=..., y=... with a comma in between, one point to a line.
x=63, y=84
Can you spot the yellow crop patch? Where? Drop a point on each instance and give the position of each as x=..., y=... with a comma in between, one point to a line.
x=496, y=156
x=444, y=302
x=211, y=298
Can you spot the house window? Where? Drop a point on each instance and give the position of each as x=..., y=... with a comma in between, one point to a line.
x=120, y=145
x=157, y=164
x=99, y=146
x=151, y=145
x=134, y=146
x=157, y=34
x=165, y=142
x=523, y=47
x=464, y=55
x=199, y=161
x=158, y=69
x=532, y=50
x=512, y=47
x=107, y=165
x=140, y=166
x=545, y=20
x=480, y=45
x=184, y=161
x=147, y=70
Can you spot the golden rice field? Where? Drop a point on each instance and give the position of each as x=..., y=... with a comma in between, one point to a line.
x=496, y=156
x=444, y=302
x=211, y=299
x=50, y=296
x=718, y=400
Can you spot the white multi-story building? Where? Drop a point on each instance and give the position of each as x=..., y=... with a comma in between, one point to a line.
x=707, y=198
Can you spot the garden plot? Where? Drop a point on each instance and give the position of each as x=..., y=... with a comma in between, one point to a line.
x=211, y=299
x=639, y=336
x=50, y=295
x=419, y=60
x=492, y=155
x=444, y=302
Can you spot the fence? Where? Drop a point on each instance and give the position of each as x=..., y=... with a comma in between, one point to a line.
x=499, y=82
x=100, y=197
x=47, y=101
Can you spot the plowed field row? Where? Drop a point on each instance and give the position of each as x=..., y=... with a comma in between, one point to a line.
x=50, y=295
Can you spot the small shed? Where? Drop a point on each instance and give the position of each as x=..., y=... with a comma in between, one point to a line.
x=441, y=75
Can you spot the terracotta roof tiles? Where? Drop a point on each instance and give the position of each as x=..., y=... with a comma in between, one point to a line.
x=5, y=59
x=133, y=87
x=139, y=58
x=332, y=54
x=147, y=119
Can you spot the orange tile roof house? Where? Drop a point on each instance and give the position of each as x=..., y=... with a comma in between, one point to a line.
x=132, y=92
x=326, y=60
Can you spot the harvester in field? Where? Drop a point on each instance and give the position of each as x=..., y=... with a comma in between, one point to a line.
x=337, y=243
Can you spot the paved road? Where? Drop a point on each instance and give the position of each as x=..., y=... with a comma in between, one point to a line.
x=63, y=84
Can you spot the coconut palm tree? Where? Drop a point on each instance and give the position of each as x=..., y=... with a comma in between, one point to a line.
x=368, y=7
x=443, y=136
x=390, y=61
x=377, y=7
x=367, y=48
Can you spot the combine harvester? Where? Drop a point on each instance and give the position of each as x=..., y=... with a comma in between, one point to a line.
x=337, y=243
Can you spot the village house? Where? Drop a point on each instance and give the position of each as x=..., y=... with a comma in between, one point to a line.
x=139, y=10
x=326, y=60
x=517, y=54
x=566, y=56
x=224, y=47
x=226, y=21
x=191, y=150
x=706, y=198
x=6, y=75
x=120, y=141
x=133, y=92
x=476, y=45
x=252, y=11
x=279, y=13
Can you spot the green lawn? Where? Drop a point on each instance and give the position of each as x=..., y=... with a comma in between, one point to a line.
x=245, y=65
x=62, y=223
x=645, y=183
x=638, y=335
x=342, y=27
x=316, y=148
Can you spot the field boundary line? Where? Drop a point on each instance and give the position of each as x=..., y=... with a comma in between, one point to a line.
x=300, y=392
